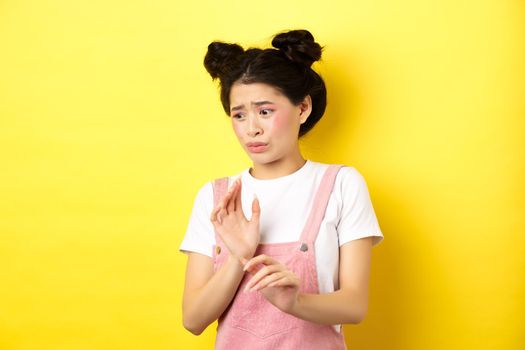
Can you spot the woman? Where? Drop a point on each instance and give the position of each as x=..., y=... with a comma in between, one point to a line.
x=282, y=258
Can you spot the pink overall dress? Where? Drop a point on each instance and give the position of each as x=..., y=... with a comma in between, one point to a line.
x=250, y=321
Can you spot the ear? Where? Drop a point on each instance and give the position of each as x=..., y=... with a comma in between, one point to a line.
x=305, y=109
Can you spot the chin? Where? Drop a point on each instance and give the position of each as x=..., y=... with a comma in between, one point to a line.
x=263, y=158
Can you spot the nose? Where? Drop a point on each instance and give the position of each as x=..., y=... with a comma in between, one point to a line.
x=254, y=128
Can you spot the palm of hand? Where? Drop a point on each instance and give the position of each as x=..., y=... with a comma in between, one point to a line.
x=240, y=236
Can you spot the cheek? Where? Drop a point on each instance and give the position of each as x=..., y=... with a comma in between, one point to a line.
x=281, y=124
x=237, y=129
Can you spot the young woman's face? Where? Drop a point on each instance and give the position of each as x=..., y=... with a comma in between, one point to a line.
x=265, y=122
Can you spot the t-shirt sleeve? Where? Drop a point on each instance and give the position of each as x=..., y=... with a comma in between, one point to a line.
x=358, y=218
x=200, y=234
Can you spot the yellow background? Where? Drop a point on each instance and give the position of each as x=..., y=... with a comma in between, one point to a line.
x=109, y=124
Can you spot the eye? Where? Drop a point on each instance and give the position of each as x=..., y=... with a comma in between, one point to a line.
x=266, y=111
x=237, y=116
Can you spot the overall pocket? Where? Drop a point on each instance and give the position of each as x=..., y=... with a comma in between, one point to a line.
x=251, y=312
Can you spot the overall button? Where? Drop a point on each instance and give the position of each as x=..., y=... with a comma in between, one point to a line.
x=218, y=249
x=304, y=247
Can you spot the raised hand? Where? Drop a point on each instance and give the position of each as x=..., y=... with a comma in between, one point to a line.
x=240, y=236
x=275, y=281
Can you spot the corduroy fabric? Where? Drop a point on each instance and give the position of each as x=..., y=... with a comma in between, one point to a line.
x=250, y=321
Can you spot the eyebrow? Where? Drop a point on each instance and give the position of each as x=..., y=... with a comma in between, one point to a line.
x=253, y=104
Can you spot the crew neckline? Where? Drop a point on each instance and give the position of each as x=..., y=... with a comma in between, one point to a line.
x=285, y=178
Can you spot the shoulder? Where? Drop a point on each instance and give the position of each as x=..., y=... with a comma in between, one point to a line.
x=205, y=191
x=204, y=197
x=346, y=176
x=349, y=183
x=350, y=176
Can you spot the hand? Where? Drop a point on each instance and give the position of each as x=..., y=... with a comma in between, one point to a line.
x=240, y=236
x=277, y=283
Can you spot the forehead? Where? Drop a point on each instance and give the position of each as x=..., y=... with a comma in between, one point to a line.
x=246, y=93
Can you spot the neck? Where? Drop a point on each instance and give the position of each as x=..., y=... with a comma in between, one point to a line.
x=278, y=168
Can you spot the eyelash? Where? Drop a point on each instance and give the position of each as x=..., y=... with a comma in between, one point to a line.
x=267, y=109
x=238, y=116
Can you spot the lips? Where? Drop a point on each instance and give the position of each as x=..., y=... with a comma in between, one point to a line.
x=257, y=147
x=256, y=144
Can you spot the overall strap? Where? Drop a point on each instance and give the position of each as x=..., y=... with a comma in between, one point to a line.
x=220, y=188
x=311, y=229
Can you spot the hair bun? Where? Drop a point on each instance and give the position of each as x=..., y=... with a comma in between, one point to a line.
x=220, y=57
x=299, y=46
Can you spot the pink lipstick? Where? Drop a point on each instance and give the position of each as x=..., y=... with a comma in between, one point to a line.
x=256, y=147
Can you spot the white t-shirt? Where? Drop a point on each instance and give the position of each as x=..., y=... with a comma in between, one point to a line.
x=285, y=206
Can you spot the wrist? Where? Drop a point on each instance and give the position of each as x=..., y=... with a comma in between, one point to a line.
x=235, y=260
x=243, y=258
x=297, y=305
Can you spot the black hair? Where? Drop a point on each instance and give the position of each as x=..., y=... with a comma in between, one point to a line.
x=286, y=67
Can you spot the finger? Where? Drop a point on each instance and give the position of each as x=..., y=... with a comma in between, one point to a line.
x=238, y=203
x=214, y=217
x=225, y=201
x=263, y=283
x=275, y=283
x=260, y=259
x=238, y=196
x=221, y=214
x=262, y=273
x=231, y=200
x=256, y=209
x=286, y=281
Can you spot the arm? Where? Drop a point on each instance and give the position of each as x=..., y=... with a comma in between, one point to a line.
x=207, y=294
x=349, y=304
